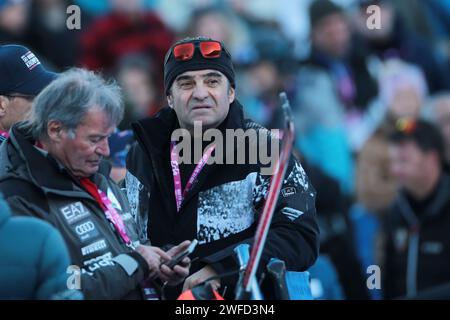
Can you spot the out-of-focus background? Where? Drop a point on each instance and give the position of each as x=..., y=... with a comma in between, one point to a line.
x=348, y=84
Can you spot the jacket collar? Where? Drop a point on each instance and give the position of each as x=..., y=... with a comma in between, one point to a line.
x=434, y=209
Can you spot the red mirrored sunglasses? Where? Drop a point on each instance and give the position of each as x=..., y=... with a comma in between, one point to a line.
x=185, y=51
x=406, y=126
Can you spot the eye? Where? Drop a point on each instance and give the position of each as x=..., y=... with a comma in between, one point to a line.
x=185, y=84
x=212, y=82
x=95, y=139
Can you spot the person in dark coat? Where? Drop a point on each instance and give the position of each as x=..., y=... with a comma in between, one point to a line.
x=417, y=247
x=222, y=200
x=53, y=169
x=34, y=258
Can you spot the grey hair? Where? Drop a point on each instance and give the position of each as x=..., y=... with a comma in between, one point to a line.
x=68, y=98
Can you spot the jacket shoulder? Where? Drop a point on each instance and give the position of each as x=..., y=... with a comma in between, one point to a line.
x=135, y=157
x=20, y=193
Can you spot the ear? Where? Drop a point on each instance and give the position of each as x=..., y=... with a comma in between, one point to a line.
x=3, y=106
x=170, y=100
x=55, y=131
x=435, y=156
x=231, y=95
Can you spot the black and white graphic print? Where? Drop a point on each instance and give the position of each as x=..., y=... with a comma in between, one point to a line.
x=225, y=210
x=297, y=177
x=133, y=191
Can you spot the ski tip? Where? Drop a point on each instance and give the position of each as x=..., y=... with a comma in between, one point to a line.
x=283, y=98
x=285, y=106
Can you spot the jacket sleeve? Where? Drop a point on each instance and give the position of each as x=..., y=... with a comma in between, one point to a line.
x=113, y=279
x=294, y=234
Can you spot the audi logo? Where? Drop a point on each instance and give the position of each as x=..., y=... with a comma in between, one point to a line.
x=84, y=228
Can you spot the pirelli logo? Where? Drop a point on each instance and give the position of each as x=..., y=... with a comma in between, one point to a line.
x=93, y=247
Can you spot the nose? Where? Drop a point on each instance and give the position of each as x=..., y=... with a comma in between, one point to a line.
x=103, y=148
x=200, y=92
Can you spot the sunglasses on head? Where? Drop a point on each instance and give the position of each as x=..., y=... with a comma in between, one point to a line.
x=185, y=51
x=405, y=126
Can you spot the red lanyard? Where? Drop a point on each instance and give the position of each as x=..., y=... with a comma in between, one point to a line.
x=110, y=212
x=179, y=194
x=115, y=218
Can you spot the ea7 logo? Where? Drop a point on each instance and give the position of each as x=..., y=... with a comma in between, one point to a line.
x=74, y=212
x=84, y=228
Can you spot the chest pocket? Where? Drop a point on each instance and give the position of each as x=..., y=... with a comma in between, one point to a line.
x=225, y=210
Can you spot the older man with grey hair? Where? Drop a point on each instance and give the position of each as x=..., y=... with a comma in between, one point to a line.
x=52, y=168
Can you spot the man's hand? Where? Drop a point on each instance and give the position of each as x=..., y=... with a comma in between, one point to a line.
x=154, y=256
x=180, y=271
x=200, y=276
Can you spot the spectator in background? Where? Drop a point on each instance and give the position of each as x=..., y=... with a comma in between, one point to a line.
x=402, y=92
x=13, y=20
x=136, y=76
x=34, y=259
x=128, y=29
x=266, y=74
x=48, y=35
x=333, y=91
x=394, y=41
x=219, y=22
x=417, y=255
x=336, y=237
x=119, y=144
x=22, y=77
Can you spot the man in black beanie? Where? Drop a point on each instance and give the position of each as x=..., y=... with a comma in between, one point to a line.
x=217, y=204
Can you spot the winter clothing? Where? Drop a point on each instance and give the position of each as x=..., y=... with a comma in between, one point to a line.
x=173, y=68
x=418, y=242
x=222, y=208
x=22, y=72
x=36, y=184
x=34, y=258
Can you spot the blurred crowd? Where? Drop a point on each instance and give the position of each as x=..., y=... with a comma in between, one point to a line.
x=352, y=89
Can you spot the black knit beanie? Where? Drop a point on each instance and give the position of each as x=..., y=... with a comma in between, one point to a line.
x=173, y=67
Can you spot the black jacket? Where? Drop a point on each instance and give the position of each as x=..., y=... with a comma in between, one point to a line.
x=418, y=243
x=222, y=208
x=35, y=184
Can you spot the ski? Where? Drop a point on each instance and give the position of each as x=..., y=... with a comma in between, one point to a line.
x=248, y=278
